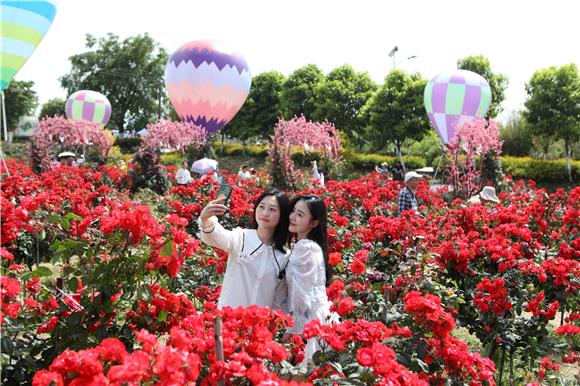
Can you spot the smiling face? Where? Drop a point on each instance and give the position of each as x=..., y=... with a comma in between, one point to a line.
x=301, y=221
x=268, y=213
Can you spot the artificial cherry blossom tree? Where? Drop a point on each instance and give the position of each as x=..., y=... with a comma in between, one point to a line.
x=474, y=149
x=58, y=134
x=174, y=135
x=300, y=135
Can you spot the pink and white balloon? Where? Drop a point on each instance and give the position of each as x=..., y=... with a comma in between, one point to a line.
x=452, y=98
x=89, y=106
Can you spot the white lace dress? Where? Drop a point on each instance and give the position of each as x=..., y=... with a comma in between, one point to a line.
x=252, y=270
x=307, y=300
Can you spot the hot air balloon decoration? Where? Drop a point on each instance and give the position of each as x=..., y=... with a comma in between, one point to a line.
x=207, y=82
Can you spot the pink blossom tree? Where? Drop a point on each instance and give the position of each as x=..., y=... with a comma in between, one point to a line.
x=300, y=135
x=174, y=135
x=474, y=149
x=57, y=134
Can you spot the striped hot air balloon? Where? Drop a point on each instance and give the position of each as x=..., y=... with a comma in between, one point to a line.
x=207, y=83
x=455, y=97
x=23, y=25
x=89, y=106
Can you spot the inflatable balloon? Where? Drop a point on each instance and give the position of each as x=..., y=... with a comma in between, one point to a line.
x=88, y=105
x=207, y=83
x=24, y=24
x=454, y=97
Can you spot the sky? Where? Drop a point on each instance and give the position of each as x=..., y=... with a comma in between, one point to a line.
x=518, y=37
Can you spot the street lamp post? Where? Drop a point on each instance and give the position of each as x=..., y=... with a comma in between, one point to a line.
x=392, y=54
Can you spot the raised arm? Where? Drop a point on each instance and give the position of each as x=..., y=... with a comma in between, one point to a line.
x=211, y=231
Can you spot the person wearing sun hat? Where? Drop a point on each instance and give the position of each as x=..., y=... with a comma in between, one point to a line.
x=407, y=199
x=486, y=196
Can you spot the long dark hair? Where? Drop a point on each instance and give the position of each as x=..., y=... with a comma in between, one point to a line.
x=281, y=231
x=319, y=234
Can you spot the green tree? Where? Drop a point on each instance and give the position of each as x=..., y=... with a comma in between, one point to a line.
x=553, y=105
x=52, y=108
x=395, y=112
x=341, y=97
x=299, y=92
x=516, y=136
x=20, y=99
x=129, y=73
x=498, y=82
x=261, y=110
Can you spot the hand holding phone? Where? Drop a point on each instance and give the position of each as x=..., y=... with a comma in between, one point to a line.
x=224, y=193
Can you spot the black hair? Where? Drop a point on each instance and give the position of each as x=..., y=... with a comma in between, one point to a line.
x=319, y=234
x=281, y=230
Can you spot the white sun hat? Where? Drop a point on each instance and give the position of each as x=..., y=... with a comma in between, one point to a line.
x=411, y=175
x=488, y=193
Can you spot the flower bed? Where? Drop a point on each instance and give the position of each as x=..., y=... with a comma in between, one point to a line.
x=99, y=286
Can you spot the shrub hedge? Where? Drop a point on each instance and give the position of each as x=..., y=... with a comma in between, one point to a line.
x=128, y=145
x=539, y=170
x=524, y=167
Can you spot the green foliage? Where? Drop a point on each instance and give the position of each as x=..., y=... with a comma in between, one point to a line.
x=299, y=92
x=429, y=147
x=261, y=110
x=369, y=161
x=553, y=105
x=53, y=108
x=516, y=136
x=171, y=159
x=234, y=149
x=498, y=82
x=20, y=99
x=539, y=170
x=341, y=98
x=148, y=173
x=128, y=145
x=395, y=111
x=133, y=93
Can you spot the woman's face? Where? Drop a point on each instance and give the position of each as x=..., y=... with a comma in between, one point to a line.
x=268, y=212
x=301, y=221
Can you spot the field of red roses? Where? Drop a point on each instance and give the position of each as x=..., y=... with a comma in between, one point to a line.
x=100, y=286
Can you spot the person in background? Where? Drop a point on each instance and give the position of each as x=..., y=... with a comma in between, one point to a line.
x=123, y=166
x=183, y=177
x=384, y=169
x=317, y=176
x=254, y=175
x=244, y=172
x=398, y=171
x=486, y=196
x=407, y=199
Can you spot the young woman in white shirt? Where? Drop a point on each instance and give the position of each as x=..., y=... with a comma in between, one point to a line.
x=257, y=257
x=308, y=270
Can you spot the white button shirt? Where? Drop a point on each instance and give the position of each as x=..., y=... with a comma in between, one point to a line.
x=251, y=275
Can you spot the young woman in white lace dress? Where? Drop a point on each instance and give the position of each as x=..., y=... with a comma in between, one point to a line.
x=256, y=257
x=308, y=269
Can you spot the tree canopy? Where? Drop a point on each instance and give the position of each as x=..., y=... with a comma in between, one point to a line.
x=395, y=112
x=128, y=72
x=498, y=82
x=20, y=99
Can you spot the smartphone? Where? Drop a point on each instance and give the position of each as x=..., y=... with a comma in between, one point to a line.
x=225, y=192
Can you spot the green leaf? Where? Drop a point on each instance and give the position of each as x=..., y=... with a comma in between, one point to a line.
x=42, y=271
x=53, y=218
x=65, y=224
x=162, y=317
x=72, y=216
x=167, y=249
